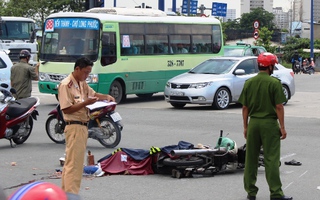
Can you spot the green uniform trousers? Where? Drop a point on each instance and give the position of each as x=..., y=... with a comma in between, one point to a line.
x=76, y=142
x=263, y=132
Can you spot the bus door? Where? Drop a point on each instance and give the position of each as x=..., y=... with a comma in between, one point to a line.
x=108, y=48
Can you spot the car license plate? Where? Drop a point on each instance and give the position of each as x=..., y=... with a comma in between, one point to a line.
x=176, y=93
x=116, y=116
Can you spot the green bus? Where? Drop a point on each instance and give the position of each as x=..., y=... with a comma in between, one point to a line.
x=135, y=51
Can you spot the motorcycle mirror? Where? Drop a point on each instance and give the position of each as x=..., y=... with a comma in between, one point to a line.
x=4, y=85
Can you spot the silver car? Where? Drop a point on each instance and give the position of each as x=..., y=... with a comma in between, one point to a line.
x=219, y=81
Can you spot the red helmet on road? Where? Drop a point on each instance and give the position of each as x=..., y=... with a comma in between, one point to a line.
x=267, y=59
x=39, y=191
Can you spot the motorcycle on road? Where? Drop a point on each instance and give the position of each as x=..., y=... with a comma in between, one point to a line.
x=225, y=156
x=104, y=125
x=16, y=116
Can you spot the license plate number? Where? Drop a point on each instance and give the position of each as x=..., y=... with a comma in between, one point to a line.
x=176, y=93
x=116, y=117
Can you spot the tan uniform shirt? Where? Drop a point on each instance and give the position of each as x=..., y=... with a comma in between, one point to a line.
x=70, y=93
x=22, y=75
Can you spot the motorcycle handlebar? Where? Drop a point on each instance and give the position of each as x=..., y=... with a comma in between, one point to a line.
x=220, y=150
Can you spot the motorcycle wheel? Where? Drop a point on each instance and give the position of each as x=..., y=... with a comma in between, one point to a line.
x=183, y=161
x=111, y=132
x=55, y=129
x=24, y=131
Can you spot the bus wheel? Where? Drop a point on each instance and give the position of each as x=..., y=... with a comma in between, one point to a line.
x=147, y=95
x=116, y=91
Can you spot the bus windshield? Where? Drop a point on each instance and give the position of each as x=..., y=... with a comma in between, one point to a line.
x=13, y=30
x=69, y=41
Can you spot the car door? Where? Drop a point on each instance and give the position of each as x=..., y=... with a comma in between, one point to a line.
x=5, y=68
x=250, y=68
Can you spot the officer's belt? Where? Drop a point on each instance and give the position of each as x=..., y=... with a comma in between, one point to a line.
x=77, y=122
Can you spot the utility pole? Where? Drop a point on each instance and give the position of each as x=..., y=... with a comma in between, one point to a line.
x=188, y=7
x=311, y=31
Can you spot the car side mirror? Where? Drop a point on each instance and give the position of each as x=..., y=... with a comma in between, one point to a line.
x=13, y=91
x=239, y=72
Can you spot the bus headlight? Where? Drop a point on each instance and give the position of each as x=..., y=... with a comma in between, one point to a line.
x=43, y=76
x=92, y=78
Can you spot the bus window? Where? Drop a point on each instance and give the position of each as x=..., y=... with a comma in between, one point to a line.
x=180, y=43
x=51, y=43
x=217, y=41
x=108, y=49
x=201, y=43
x=131, y=44
x=157, y=44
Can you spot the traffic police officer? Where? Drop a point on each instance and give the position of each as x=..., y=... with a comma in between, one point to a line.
x=261, y=98
x=74, y=95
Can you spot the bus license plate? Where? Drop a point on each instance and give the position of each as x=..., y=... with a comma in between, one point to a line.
x=176, y=93
x=116, y=117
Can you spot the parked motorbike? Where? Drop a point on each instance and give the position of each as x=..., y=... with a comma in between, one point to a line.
x=16, y=116
x=104, y=125
x=308, y=70
x=297, y=67
x=225, y=156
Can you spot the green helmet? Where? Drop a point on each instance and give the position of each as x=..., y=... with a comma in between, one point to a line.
x=224, y=143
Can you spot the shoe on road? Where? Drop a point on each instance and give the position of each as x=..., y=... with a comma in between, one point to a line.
x=281, y=198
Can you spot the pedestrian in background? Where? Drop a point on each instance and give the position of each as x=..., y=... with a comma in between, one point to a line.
x=261, y=100
x=22, y=74
x=74, y=95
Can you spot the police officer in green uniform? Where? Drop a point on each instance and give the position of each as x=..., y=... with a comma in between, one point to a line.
x=262, y=99
x=22, y=75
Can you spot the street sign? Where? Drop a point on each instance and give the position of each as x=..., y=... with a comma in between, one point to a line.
x=256, y=34
x=193, y=7
x=219, y=9
x=256, y=24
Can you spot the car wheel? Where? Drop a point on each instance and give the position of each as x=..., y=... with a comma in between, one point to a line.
x=178, y=105
x=286, y=92
x=221, y=99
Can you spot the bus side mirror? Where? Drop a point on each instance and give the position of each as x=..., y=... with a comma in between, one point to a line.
x=33, y=36
x=0, y=26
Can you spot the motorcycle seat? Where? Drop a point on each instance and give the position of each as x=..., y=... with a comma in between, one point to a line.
x=20, y=107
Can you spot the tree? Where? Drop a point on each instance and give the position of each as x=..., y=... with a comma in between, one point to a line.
x=264, y=17
x=39, y=9
x=265, y=36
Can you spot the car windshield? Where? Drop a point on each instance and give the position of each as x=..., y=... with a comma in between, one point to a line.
x=214, y=66
x=233, y=52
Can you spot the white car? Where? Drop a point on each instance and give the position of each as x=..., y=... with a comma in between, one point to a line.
x=219, y=81
x=5, y=68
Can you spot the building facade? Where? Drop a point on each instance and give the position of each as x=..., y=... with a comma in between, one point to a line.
x=247, y=5
x=231, y=15
x=281, y=18
x=301, y=10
